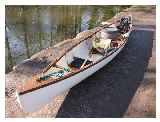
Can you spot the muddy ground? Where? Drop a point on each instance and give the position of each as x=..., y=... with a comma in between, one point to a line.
x=126, y=87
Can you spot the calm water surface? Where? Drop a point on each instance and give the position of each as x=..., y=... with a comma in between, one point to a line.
x=29, y=29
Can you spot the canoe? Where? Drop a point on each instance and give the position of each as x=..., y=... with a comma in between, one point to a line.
x=76, y=64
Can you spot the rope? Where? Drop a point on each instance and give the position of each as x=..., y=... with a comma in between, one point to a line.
x=58, y=74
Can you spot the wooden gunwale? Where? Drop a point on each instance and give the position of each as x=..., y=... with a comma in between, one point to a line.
x=51, y=81
x=51, y=64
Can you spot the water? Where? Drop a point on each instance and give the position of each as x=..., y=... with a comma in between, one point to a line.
x=30, y=29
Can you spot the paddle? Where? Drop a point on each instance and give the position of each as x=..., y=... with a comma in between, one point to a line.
x=85, y=61
x=53, y=63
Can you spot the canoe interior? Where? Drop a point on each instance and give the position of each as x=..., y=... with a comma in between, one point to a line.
x=72, y=60
x=82, y=51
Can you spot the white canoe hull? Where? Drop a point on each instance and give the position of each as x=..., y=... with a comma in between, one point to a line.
x=34, y=100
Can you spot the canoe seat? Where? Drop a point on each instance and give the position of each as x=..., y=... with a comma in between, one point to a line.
x=77, y=63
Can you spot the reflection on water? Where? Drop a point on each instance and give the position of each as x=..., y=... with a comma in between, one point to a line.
x=32, y=28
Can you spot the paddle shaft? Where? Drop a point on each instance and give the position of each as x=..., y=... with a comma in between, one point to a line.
x=53, y=63
x=84, y=63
